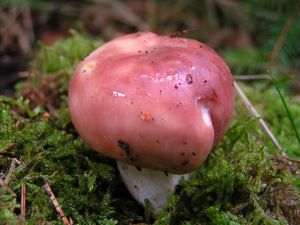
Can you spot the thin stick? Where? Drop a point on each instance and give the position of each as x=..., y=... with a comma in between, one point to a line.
x=13, y=165
x=8, y=189
x=254, y=113
x=23, y=201
x=55, y=203
x=252, y=77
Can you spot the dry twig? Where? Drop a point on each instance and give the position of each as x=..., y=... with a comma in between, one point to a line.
x=8, y=189
x=13, y=165
x=252, y=77
x=23, y=201
x=254, y=113
x=56, y=205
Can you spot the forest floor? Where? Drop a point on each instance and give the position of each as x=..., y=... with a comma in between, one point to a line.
x=246, y=180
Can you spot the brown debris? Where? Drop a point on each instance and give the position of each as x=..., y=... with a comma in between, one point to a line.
x=46, y=93
x=285, y=163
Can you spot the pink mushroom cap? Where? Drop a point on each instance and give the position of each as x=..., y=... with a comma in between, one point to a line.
x=152, y=101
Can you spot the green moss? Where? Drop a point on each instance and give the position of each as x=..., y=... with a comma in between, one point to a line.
x=240, y=183
x=82, y=180
x=232, y=187
x=62, y=56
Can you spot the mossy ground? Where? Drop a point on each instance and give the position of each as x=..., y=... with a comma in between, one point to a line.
x=242, y=182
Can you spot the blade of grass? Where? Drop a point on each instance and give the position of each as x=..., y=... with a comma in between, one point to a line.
x=288, y=113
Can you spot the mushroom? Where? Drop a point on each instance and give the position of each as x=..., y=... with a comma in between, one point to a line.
x=157, y=104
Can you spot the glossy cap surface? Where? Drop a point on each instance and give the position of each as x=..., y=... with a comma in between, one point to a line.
x=153, y=101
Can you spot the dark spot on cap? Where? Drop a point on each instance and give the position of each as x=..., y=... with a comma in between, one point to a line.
x=201, y=46
x=157, y=141
x=176, y=86
x=131, y=103
x=189, y=79
x=193, y=153
x=180, y=103
x=182, y=154
x=146, y=52
x=84, y=71
x=135, y=186
x=138, y=168
x=205, y=81
x=139, y=51
x=124, y=146
x=185, y=162
x=132, y=159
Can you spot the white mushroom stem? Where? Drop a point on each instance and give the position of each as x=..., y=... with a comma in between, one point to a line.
x=147, y=184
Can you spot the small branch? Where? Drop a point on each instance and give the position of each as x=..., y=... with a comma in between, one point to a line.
x=252, y=77
x=254, y=113
x=13, y=165
x=7, y=188
x=23, y=201
x=55, y=203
